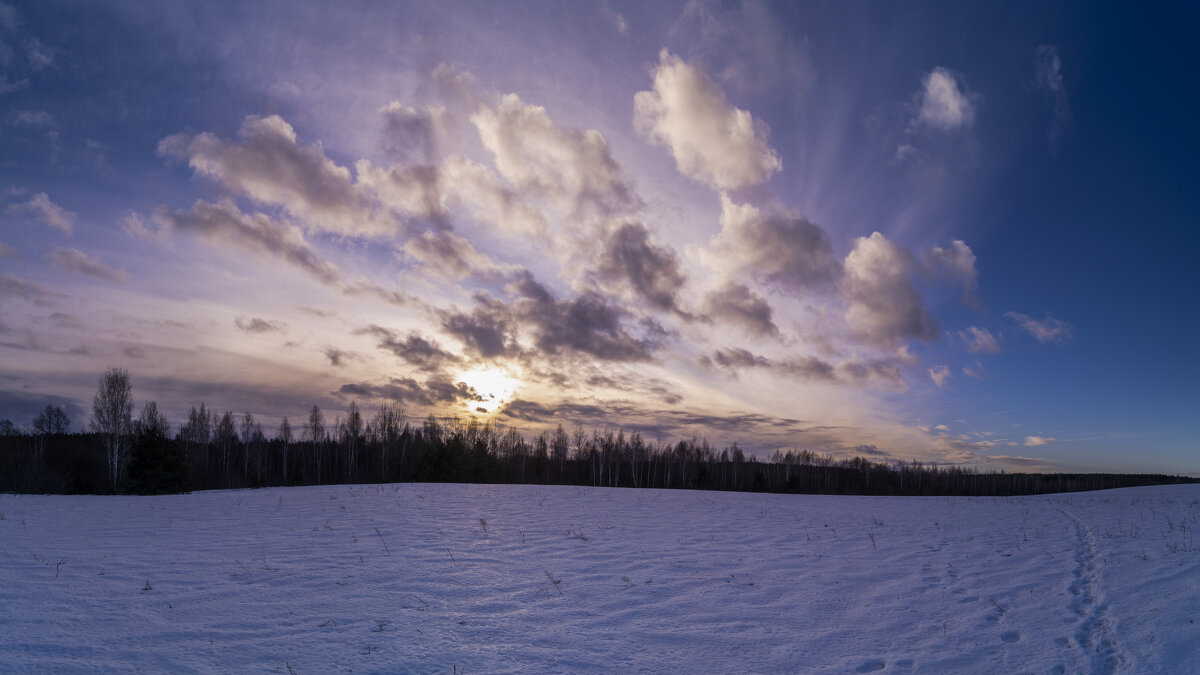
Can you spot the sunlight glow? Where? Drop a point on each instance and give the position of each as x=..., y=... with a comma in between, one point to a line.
x=495, y=387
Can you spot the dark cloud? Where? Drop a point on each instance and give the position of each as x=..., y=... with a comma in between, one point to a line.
x=21, y=407
x=667, y=424
x=740, y=304
x=258, y=326
x=337, y=357
x=73, y=260
x=13, y=287
x=222, y=224
x=410, y=136
x=488, y=330
x=448, y=253
x=66, y=321
x=414, y=349
x=785, y=251
x=652, y=387
x=589, y=324
x=135, y=352
x=436, y=390
x=653, y=272
x=869, y=451
x=801, y=367
x=881, y=373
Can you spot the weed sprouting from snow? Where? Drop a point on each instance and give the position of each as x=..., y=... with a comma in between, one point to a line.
x=385, y=546
x=147, y=587
x=381, y=625
x=483, y=524
x=554, y=581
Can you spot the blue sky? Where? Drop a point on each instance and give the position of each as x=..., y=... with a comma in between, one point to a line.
x=959, y=234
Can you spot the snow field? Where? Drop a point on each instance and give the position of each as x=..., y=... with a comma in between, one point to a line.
x=426, y=578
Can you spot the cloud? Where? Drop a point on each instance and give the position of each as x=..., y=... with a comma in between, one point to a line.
x=979, y=340
x=1034, y=441
x=1049, y=329
x=782, y=250
x=883, y=308
x=410, y=392
x=712, y=142
x=39, y=55
x=944, y=106
x=749, y=47
x=415, y=191
x=651, y=271
x=8, y=17
x=34, y=119
x=414, y=349
x=806, y=368
x=258, y=326
x=488, y=330
x=9, y=252
x=411, y=136
x=268, y=165
x=589, y=324
x=73, y=260
x=337, y=357
x=737, y=303
x=222, y=224
x=940, y=375
x=975, y=371
x=490, y=202
x=39, y=207
x=957, y=263
x=572, y=168
x=881, y=373
x=447, y=253
x=1048, y=76
x=13, y=287
x=452, y=85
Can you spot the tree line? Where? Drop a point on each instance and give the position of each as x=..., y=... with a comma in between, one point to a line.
x=213, y=450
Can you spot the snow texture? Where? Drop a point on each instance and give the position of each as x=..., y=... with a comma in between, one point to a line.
x=424, y=578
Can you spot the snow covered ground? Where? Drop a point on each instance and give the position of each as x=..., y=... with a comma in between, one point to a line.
x=422, y=578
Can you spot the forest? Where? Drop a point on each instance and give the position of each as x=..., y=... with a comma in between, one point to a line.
x=120, y=453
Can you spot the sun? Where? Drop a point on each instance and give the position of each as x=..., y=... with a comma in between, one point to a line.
x=494, y=386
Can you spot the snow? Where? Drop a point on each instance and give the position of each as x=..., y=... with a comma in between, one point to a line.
x=425, y=578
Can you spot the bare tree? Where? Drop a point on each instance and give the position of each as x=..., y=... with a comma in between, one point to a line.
x=112, y=408
x=316, y=434
x=225, y=438
x=388, y=427
x=285, y=435
x=354, y=429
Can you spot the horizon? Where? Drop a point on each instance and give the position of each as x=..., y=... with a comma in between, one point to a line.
x=956, y=235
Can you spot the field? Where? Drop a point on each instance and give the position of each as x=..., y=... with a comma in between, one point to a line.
x=434, y=578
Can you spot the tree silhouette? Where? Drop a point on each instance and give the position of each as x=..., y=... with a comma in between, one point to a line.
x=112, y=408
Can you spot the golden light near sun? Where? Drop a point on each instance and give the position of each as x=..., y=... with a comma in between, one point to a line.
x=495, y=387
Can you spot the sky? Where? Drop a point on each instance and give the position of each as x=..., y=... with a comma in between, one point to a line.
x=956, y=234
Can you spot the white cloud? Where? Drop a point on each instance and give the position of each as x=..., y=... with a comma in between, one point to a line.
x=979, y=340
x=940, y=375
x=73, y=260
x=1048, y=76
x=883, y=307
x=975, y=371
x=268, y=165
x=573, y=168
x=480, y=190
x=711, y=141
x=41, y=208
x=1034, y=441
x=957, y=262
x=1049, y=329
x=943, y=104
